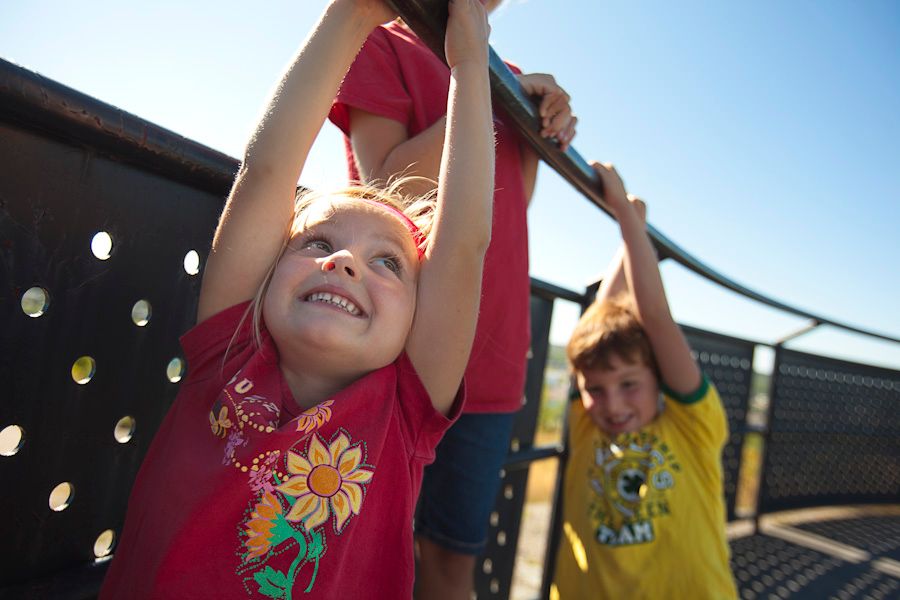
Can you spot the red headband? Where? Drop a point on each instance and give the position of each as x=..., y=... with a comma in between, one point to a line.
x=415, y=232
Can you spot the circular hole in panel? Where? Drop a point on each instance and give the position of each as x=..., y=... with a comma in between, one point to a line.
x=487, y=566
x=124, y=430
x=83, y=370
x=501, y=538
x=495, y=586
x=141, y=312
x=514, y=445
x=35, y=301
x=61, y=496
x=12, y=438
x=192, y=262
x=175, y=370
x=495, y=518
x=508, y=492
x=101, y=245
x=104, y=543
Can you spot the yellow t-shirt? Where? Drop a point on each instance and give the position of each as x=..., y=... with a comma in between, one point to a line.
x=644, y=515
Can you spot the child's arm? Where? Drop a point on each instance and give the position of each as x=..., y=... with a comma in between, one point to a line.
x=450, y=278
x=254, y=222
x=383, y=147
x=613, y=282
x=673, y=355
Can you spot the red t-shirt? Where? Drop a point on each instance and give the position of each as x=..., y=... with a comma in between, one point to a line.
x=396, y=76
x=242, y=495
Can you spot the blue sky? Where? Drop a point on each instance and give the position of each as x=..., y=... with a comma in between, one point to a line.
x=765, y=136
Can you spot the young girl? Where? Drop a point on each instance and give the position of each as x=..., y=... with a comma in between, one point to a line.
x=328, y=358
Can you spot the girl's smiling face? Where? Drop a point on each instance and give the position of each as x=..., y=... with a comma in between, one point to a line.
x=342, y=297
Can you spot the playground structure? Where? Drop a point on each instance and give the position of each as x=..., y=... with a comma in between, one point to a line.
x=105, y=222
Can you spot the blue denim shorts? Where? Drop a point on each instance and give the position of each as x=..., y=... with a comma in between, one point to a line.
x=459, y=489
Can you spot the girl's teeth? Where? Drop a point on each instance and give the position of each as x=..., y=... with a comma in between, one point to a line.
x=335, y=300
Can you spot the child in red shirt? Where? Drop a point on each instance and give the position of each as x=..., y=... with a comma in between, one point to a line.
x=333, y=334
x=392, y=110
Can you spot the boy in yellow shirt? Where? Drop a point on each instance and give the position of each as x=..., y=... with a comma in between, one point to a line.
x=643, y=508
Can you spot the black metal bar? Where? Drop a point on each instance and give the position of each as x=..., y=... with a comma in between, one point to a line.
x=428, y=18
x=35, y=102
x=524, y=458
x=548, y=291
x=556, y=514
x=795, y=334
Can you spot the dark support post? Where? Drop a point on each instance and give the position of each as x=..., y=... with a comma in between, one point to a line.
x=557, y=511
x=766, y=433
x=500, y=553
x=770, y=410
x=795, y=334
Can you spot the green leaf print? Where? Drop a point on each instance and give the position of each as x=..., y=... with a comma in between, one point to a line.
x=272, y=583
x=316, y=548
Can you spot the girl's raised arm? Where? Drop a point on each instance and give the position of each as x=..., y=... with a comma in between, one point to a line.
x=450, y=279
x=259, y=208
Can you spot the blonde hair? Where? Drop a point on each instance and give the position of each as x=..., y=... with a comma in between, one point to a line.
x=609, y=329
x=418, y=208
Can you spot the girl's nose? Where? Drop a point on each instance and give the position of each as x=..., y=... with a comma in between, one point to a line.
x=340, y=261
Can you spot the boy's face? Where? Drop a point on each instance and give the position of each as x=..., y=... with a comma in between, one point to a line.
x=621, y=399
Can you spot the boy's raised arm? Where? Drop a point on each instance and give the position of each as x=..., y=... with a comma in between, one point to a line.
x=254, y=222
x=641, y=269
x=450, y=279
x=613, y=282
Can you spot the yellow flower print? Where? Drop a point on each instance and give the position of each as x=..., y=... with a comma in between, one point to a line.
x=329, y=479
x=315, y=417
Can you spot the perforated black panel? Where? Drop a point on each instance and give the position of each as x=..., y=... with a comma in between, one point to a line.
x=835, y=434
x=771, y=568
x=54, y=197
x=870, y=585
x=728, y=363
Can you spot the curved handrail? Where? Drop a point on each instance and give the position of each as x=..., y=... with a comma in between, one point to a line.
x=428, y=18
x=34, y=101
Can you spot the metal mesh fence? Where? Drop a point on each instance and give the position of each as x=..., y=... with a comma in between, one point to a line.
x=834, y=433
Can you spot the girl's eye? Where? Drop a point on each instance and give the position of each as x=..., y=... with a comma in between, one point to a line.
x=321, y=245
x=391, y=263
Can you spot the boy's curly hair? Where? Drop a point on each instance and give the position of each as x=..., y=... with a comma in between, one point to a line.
x=609, y=329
